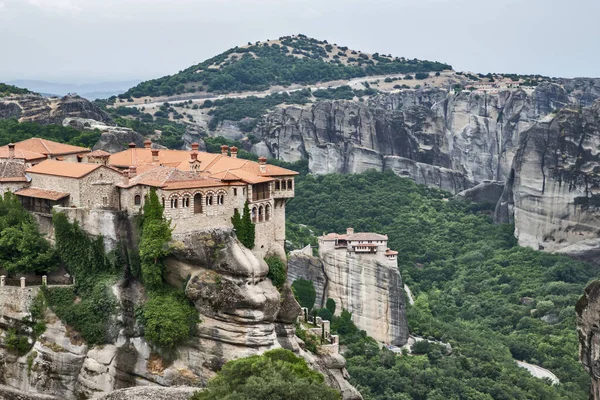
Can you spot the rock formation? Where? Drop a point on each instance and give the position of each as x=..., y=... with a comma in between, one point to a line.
x=369, y=289
x=553, y=190
x=241, y=314
x=588, y=320
x=43, y=110
x=442, y=139
x=113, y=138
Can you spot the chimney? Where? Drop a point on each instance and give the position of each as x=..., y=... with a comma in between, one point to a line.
x=263, y=164
x=195, y=146
x=224, y=149
x=194, y=155
x=132, y=171
x=131, y=145
x=147, y=144
x=350, y=231
x=154, y=155
x=233, y=152
x=11, y=150
x=194, y=163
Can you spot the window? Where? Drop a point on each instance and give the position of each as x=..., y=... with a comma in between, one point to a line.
x=235, y=191
x=260, y=191
x=209, y=200
x=254, y=214
x=163, y=202
x=283, y=185
x=220, y=199
x=244, y=191
x=260, y=214
x=277, y=185
x=137, y=200
x=174, y=203
x=185, y=202
x=290, y=184
x=105, y=201
x=267, y=212
x=197, y=203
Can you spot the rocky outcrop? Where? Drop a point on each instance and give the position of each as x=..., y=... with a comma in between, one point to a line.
x=442, y=139
x=553, y=190
x=484, y=193
x=113, y=138
x=370, y=288
x=588, y=320
x=43, y=110
x=241, y=314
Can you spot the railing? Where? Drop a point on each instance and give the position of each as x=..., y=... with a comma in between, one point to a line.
x=322, y=328
x=43, y=280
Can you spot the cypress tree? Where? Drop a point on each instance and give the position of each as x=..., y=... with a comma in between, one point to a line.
x=244, y=228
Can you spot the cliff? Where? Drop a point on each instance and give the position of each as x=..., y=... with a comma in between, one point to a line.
x=554, y=185
x=588, y=319
x=241, y=314
x=44, y=110
x=369, y=288
x=449, y=140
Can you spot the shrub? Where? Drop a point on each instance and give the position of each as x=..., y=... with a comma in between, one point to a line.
x=330, y=305
x=277, y=374
x=277, y=271
x=168, y=318
x=421, y=75
x=305, y=293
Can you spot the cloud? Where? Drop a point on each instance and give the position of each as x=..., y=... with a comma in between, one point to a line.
x=73, y=6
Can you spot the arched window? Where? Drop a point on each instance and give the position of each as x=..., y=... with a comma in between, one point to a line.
x=290, y=184
x=267, y=212
x=185, y=202
x=198, y=203
x=137, y=200
x=174, y=202
x=163, y=202
x=277, y=185
x=220, y=199
x=254, y=214
x=261, y=214
x=209, y=199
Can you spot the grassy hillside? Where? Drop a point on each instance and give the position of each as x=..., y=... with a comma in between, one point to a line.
x=290, y=59
x=474, y=287
x=6, y=90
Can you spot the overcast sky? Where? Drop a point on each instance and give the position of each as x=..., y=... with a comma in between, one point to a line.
x=81, y=41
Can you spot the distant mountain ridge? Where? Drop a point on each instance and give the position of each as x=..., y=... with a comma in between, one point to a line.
x=7, y=89
x=90, y=91
x=285, y=61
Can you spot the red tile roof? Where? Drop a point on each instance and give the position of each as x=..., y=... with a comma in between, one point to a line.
x=48, y=147
x=41, y=194
x=171, y=178
x=63, y=168
x=12, y=171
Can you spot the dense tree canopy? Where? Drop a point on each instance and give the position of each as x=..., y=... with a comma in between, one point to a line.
x=13, y=131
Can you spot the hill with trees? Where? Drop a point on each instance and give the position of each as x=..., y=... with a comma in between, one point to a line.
x=475, y=288
x=290, y=59
x=6, y=90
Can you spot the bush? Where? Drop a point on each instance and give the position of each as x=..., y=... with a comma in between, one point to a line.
x=16, y=343
x=168, y=318
x=277, y=374
x=277, y=271
x=305, y=293
x=330, y=305
x=421, y=75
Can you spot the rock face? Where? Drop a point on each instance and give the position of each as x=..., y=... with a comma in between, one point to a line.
x=113, y=139
x=241, y=314
x=369, y=288
x=588, y=320
x=43, y=110
x=483, y=193
x=452, y=141
x=553, y=190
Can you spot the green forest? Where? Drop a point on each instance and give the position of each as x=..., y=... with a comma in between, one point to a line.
x=259, y=66
x=13, y=131
x=474, y=288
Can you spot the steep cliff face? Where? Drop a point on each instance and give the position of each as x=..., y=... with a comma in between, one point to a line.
x=553, y=191
x=438, y=138
x=369, y=288
x=241, y=314
x=43, y=110
x=588, y=321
